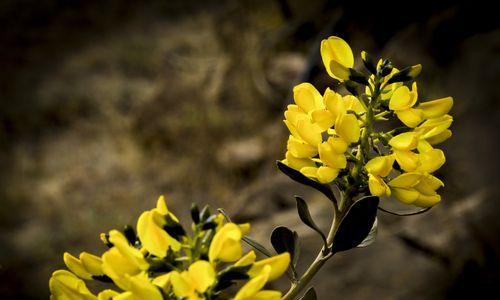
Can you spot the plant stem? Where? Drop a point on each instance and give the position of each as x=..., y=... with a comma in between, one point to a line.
x=323, y=255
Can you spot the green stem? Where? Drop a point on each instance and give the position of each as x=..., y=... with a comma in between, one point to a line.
x=320, y=259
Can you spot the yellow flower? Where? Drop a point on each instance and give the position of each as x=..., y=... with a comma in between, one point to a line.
x=405, y=141
x=431, y=160
x=377, y=168
x=347, y=127
x=307, y=97
x=278, y=263
x=435, y=130
x=85, y=267
x=122, y=259
x=152, y=235
x=197, y=279
x=246, y=260
x=380, y=165
x=337, y=57
x=161, y=208
x=416, y=188
x=65, y=285
x=436, y=108
x=403, y=98
x=300, y=149
x=377, y=186
x=226, y=244
x=252, y=290
x=332, y=151
x=139, y=288
x=407, y=159
x=107, y=295
x=321, y=174
x=163, y=281
x=297, y=163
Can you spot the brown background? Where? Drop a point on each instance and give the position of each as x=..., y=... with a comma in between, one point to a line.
x=106, y=104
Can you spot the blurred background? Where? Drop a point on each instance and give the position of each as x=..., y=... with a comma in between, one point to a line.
x=104, y=105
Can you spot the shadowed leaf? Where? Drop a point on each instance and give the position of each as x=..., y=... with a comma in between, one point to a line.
x=371, y=237
x=310, y=294
x=305, y=216
x=356, y=224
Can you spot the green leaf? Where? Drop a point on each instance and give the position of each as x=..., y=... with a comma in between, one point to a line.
x=205, y=213
x=284, y=240
x=371, y=237
x=309, y=295
x=257, y=246
x=306, y=218
x=356, y=224
x=301, y=178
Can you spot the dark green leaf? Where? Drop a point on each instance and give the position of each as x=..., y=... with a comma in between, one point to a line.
x=205, y=213
x=209, y=223
x=309, y=295
x=195, y=213
x=283, y=240
x=356, y=224
x=300, y=178
x=257, y=246
x=305, y=216
x=371, y=237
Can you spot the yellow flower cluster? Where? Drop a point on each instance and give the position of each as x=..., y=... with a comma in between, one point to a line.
x=330, y=133
x=429, y=124
x=163, y=262
x=314, y=117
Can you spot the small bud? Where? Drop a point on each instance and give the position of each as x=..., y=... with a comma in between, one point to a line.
x=368, y=62
x=195, y=213
x=406, y=74
x=386, y=71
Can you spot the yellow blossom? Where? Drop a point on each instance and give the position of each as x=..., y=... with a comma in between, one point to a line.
x=65, y=285
x=196, y=280
x=278, y=263
x=226, y=244
x=152, y=235
x=252, y=290
x=122, y=259
x=337, y=57
x=86, y=266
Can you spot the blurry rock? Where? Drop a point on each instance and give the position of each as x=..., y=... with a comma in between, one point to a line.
x=241, y=154
x=284, y=68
